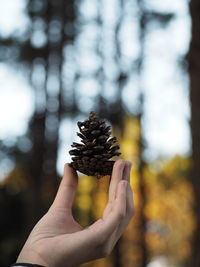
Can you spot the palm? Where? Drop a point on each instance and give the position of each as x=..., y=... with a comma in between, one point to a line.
x=50, y=234
x=60, y=221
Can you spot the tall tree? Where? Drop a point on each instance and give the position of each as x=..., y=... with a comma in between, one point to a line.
x=145, y=17
x=52, y=28
x=194, y=72
x=142, y=219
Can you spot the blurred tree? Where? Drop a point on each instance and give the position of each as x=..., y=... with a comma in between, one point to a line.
x=194, y=72
x=41, y=50
x=113, y=109
x=51, y=30
x=145, y=17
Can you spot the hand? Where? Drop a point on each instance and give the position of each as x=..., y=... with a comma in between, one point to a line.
x=58, y=240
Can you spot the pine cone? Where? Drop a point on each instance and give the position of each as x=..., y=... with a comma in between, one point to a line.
x=92, y=156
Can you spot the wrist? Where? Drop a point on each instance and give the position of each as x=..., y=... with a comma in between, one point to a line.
x=23, y=264
x=31, y=257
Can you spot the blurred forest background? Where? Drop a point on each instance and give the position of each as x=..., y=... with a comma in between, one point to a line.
x=135, y=62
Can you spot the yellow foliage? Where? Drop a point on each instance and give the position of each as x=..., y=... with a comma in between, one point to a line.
x=129, y=140
x=86, y=184
x=169, y=210
x=84, y=202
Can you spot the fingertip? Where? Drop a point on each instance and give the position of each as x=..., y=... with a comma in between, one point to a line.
x=69, y=170
x=119, y=164
x=128, y=165
x=126, y=172
x=67, y=167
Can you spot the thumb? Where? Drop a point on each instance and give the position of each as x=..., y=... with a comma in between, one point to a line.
x=67, y=189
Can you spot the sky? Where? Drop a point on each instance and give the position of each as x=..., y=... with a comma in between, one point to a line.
x=167, y=109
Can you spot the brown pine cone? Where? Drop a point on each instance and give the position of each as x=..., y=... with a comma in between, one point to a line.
x=92, y=157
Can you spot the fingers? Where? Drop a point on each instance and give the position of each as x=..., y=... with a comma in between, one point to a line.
x=121, y=171
x=67, y=189
x=117, y=175
x=126, y=167
x=118, y=208
x=129, y=213
x=129, y=209
x=103, y=228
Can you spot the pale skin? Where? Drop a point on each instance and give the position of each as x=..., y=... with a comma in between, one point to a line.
x=58, y=240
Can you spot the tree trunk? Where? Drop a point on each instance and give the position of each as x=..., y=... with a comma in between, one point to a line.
x=44, y=126
x=142, y=191
x=117, y=259
x=142, y=187
x=194, y=72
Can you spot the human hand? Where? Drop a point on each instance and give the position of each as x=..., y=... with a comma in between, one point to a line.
x=58, y=240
